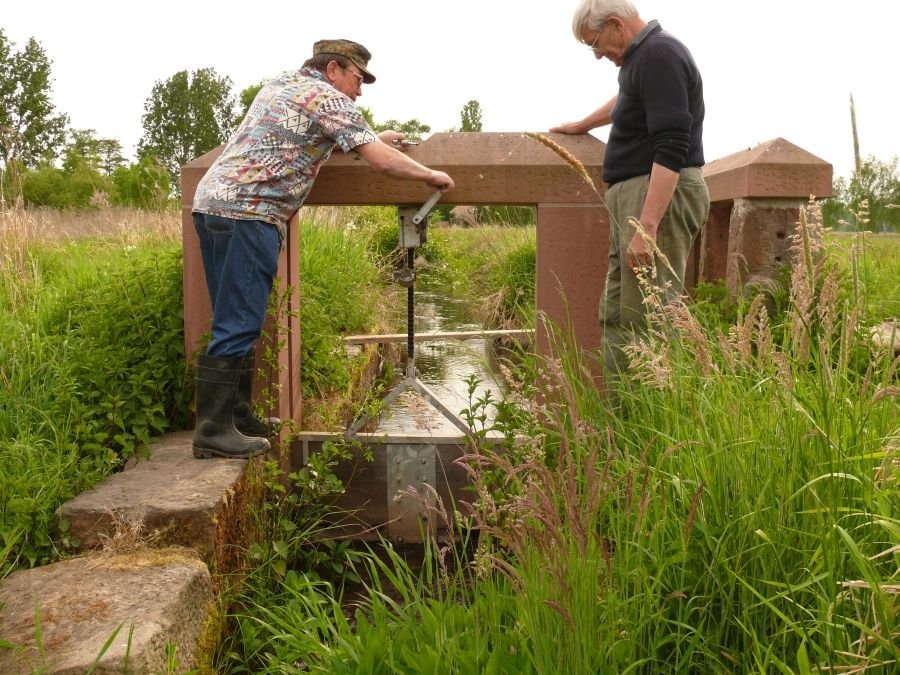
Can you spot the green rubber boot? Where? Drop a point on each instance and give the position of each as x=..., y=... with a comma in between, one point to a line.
x=245, y=419
x=215, y=434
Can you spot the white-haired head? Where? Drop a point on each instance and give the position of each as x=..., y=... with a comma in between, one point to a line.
x=592, y=14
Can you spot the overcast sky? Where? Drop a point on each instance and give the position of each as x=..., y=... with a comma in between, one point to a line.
x=771, y=68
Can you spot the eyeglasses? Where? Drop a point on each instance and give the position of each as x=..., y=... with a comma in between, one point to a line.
x=593, y=45
x=355, y=74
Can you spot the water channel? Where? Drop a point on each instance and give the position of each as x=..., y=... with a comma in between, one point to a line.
x=443, y=366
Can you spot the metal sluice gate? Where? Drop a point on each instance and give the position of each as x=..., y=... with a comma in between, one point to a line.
x=411, y=474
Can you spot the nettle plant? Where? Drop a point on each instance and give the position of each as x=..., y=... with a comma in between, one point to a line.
x=129, y=365
x=93, y=371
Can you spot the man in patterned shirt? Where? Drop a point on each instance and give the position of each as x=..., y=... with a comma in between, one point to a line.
x=241, y=211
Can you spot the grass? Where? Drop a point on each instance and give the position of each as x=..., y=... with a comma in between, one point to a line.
x=873, y=259
x=738, y=515
x=82, y=389
x=92, y=367
x=492, y=264
x=340, y=289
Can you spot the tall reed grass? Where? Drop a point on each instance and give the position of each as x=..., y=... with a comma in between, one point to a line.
x=492, y=264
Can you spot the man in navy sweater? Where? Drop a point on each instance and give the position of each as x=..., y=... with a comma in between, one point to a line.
x=652, y=163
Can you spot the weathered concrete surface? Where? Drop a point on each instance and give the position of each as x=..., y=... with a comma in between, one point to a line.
x=161, y=600
x=173, y=492
x=759, y=240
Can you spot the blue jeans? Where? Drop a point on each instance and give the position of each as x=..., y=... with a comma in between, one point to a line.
x=240, y=259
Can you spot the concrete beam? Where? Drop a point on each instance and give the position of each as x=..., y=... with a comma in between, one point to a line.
x=774, y=169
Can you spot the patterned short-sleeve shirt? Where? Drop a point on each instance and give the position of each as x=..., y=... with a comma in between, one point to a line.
x=268, y=167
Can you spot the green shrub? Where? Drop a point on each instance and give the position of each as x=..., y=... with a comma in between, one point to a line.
x=49, y=186
x=93, y=371
x=338, y=280
x=514, y=277
x=145, y=185
x=130, y=370
x=493, y=265
x=380, y=227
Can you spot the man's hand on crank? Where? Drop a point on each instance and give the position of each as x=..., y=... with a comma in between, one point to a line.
x=441, y=181
x=397, y=140
x=392, y=138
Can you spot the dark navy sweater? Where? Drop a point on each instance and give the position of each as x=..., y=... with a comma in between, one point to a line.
x=658, y=115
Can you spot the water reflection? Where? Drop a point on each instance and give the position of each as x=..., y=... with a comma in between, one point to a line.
x=443, y=366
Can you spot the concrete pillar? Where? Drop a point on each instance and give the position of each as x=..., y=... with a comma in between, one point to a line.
x=758, y=244
x=711, y=249
x=572, y=259
x=756, y=197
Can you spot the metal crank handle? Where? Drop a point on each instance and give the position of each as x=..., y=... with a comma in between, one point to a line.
x=426, y=207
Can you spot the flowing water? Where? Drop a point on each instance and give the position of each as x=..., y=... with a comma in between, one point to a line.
x=443, y=366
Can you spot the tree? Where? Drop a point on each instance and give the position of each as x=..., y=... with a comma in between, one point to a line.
x=83, y=150
x=414, y=129
x=60, y=188
x=186, y=116
x=145, y=185
x=31, y=131
x=83, y=179
x=875, y=182
x=103, y=155
x=470, y=116
x=248, y=95
x=111, y=157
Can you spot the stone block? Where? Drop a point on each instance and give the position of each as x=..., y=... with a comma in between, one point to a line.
x=759, y=239
x=160, y=601
x=886, y=336
x=193, y=503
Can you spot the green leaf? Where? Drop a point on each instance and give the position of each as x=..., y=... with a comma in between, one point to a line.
x=279, y=567
x=803, y=660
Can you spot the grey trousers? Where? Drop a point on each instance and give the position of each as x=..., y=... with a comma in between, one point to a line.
x=623, y=314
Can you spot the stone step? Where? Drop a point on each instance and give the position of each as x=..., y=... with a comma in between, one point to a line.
x=190, y=502
x=160, y=600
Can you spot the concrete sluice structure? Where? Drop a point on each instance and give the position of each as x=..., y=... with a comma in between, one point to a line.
x=756, y=198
